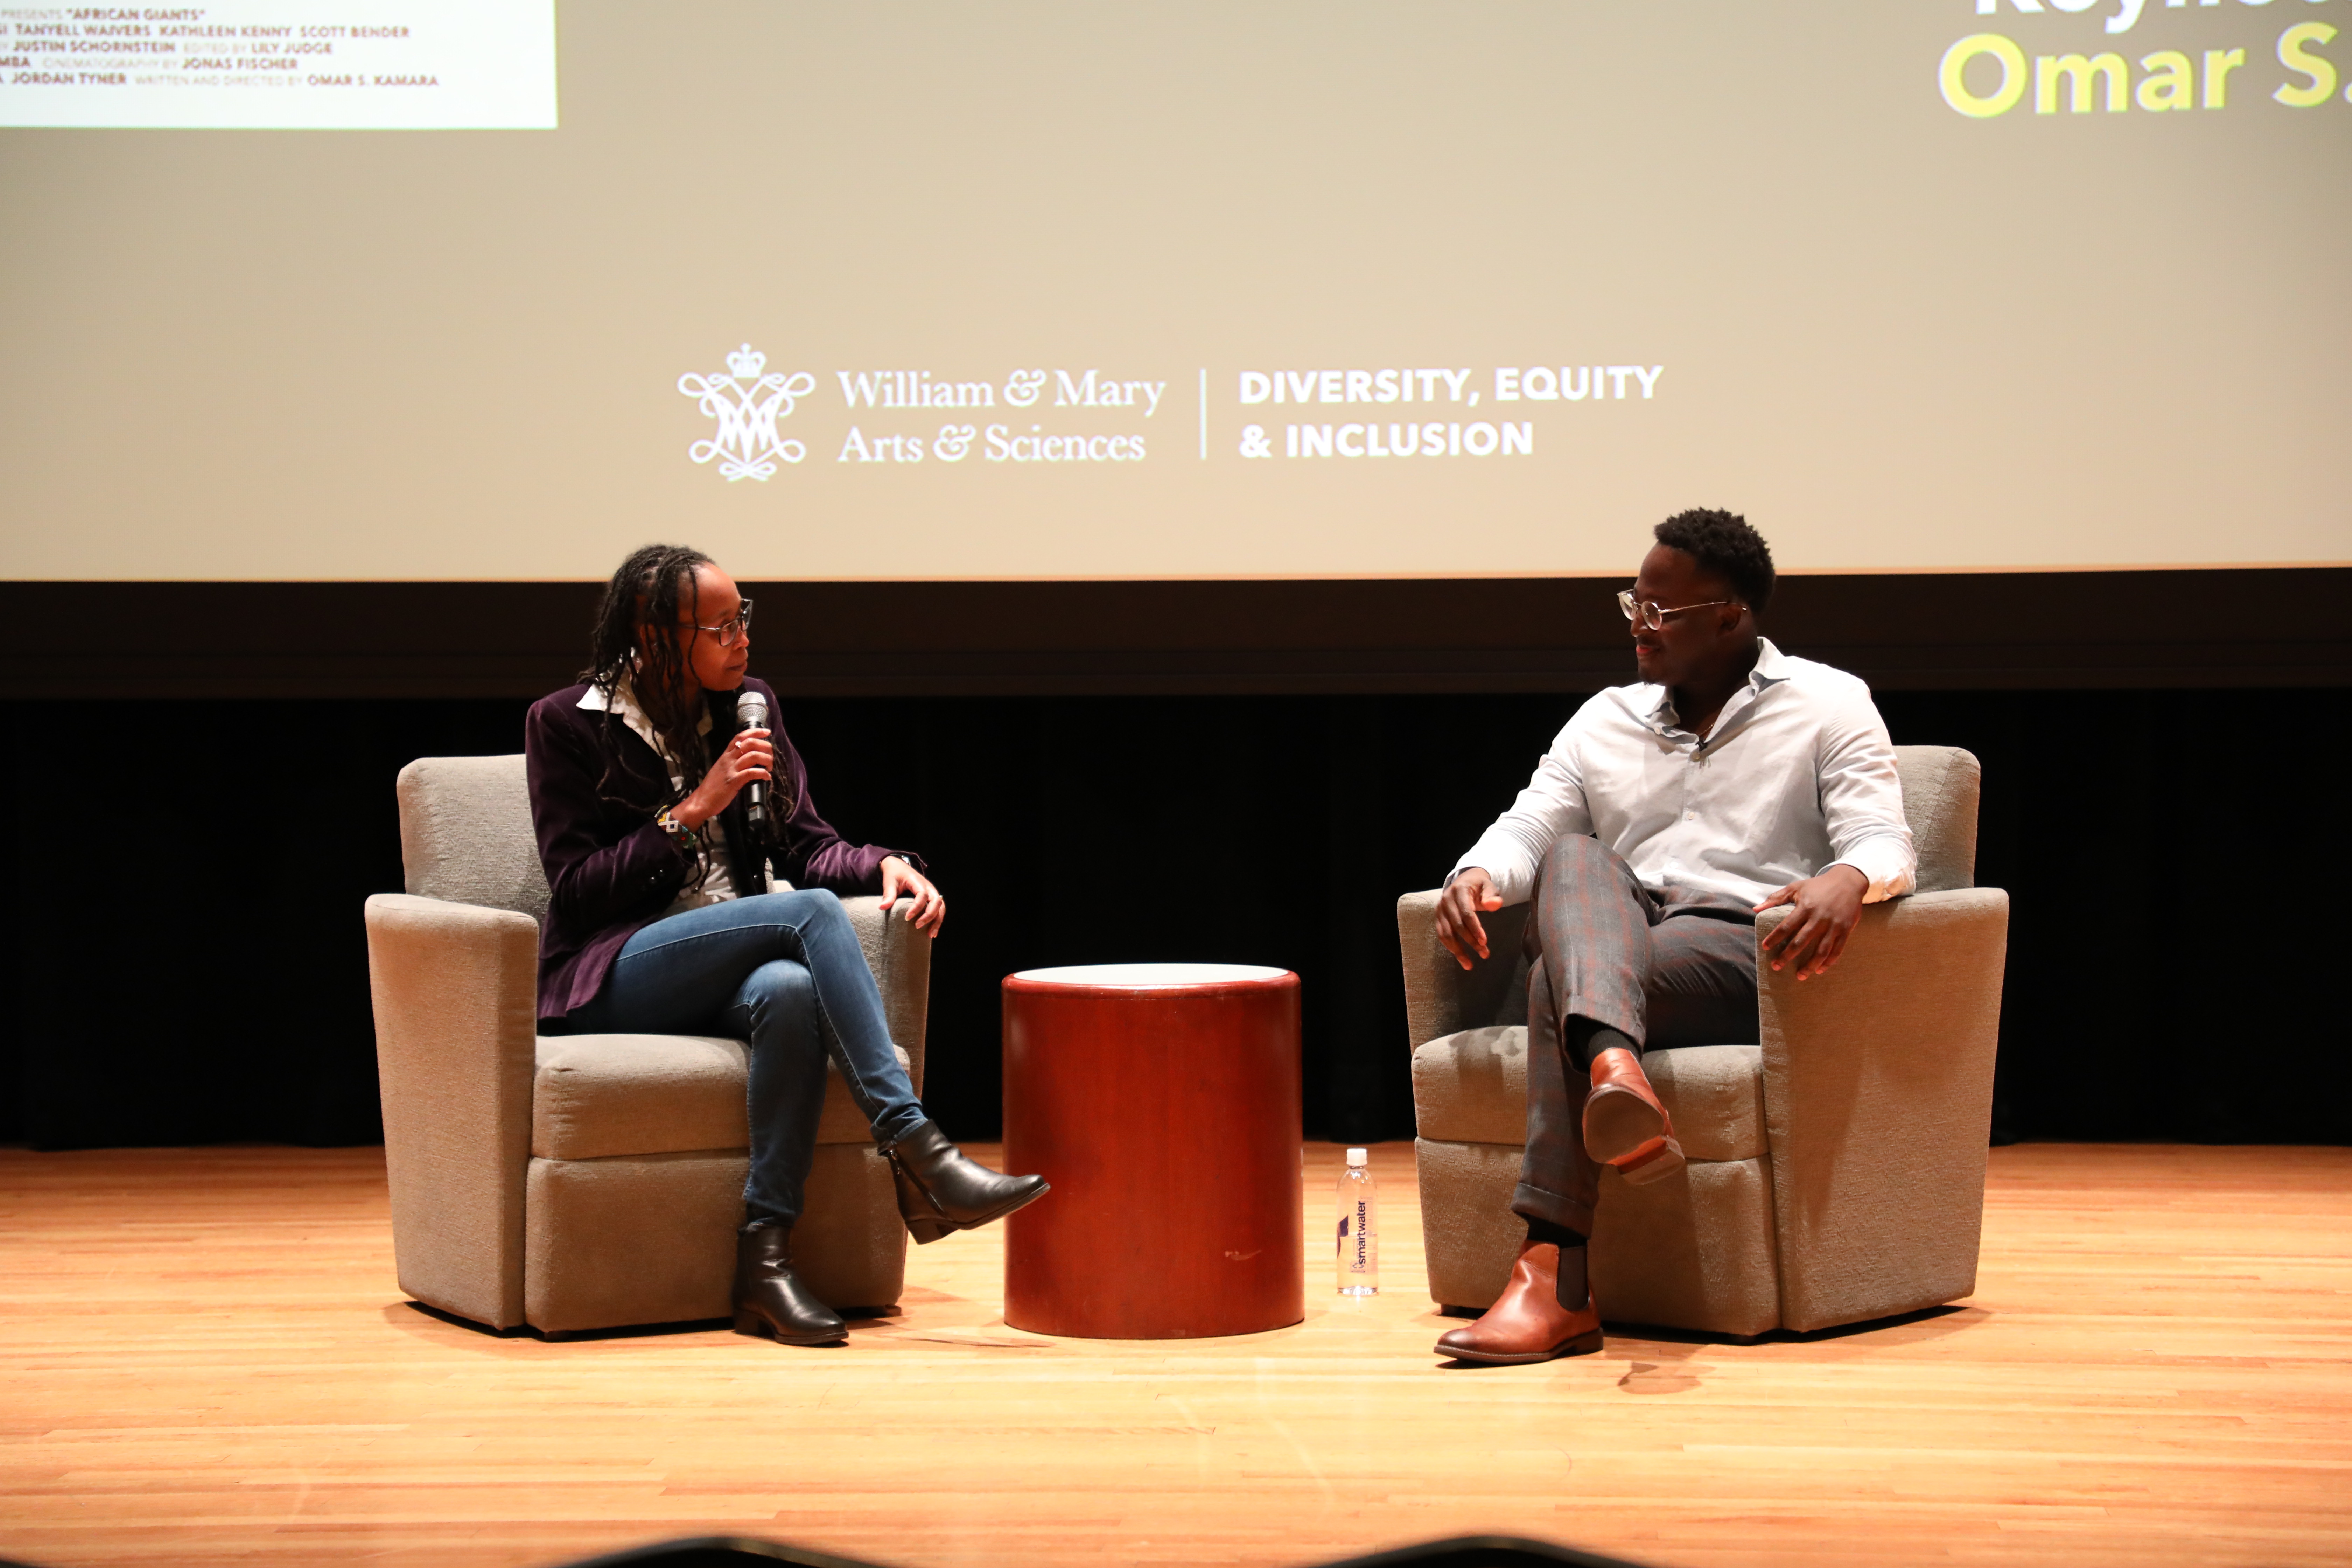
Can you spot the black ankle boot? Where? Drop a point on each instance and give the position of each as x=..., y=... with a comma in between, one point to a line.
x=940, y=1191
x=770, y=1301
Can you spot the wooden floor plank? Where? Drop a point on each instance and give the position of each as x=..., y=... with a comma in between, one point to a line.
x=204, y=1359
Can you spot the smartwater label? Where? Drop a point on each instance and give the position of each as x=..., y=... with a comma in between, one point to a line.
x=282, y=65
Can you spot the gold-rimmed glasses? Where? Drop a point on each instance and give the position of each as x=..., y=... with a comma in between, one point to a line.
x=1650, y=613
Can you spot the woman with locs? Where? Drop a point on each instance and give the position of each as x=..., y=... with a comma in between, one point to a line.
x=661, y=920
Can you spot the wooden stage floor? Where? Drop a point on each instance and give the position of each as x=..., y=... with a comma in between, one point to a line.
x=204, y=1359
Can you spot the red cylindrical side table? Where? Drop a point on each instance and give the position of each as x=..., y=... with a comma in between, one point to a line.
x=1162, y=1102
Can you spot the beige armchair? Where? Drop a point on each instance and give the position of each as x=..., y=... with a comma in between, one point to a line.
x=1835, y=1169
x=586, y=1181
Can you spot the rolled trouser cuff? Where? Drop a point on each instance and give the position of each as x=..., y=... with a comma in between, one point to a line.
x=1533, y=1203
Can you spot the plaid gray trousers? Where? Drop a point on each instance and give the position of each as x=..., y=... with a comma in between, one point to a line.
x=1661, y=971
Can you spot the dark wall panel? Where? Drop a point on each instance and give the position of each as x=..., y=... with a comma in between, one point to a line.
x=184, y=961
x=1963, y=631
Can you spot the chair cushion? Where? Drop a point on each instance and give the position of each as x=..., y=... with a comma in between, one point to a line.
x=1472, y=1088
x=600, y=1095
x=1716, y=1095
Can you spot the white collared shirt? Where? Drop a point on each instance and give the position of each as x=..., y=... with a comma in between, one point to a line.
x=717, y=886
x=1797, y=776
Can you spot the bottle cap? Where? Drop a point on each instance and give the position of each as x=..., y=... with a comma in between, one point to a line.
x=1356, y=1156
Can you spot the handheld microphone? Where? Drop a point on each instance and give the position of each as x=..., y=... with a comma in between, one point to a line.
x=752, y=713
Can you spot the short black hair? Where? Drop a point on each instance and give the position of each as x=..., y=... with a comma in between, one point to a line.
x=1723, y=544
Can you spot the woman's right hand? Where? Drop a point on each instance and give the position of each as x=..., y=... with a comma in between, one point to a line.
x=748, y=759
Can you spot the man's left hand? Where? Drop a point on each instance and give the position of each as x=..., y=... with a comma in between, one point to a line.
x=930, y=909
x=1827, y=907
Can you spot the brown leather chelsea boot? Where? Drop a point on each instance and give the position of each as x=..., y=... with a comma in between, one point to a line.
x=1624, y=1125
x=1527, y=1322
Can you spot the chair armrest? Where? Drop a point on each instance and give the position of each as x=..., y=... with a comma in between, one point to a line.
x=900, y=958
x=1877, y=1103
x=456, y=993
x=1439, y=996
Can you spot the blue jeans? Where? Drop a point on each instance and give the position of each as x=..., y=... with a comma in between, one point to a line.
x=784, y=971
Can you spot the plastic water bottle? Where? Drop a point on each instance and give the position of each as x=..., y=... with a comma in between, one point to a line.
x=1360, y=1228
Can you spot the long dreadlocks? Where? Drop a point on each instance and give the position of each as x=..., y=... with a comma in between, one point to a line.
x=633, y=643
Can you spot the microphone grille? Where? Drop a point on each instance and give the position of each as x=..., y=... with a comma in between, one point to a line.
x=750, y=711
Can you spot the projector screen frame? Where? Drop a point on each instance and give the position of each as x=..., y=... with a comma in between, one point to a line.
x=1900, y=338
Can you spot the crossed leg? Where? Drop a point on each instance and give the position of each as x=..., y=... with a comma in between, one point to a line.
x=1615, y=969
x=1612, y=956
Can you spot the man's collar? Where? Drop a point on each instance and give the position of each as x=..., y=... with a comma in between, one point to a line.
x=1772, y=667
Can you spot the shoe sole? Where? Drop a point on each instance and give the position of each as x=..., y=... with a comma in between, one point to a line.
x=940, y=1227
x=759, y=1327
x=1626, y=1130
x=1583, y=1344
x=1618, y=1121
x=1653, y=1161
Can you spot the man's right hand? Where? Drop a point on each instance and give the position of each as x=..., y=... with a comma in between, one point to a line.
x=1457, y=914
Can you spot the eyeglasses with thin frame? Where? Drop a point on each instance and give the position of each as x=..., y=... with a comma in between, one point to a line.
x=1648, y=612
x=731, y=631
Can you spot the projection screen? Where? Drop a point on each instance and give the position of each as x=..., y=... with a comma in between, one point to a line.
x=1027, y=288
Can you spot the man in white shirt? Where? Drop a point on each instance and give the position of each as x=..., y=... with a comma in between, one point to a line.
x=1666, y=816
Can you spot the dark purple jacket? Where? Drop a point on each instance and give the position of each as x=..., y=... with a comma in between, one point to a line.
x=611, y=871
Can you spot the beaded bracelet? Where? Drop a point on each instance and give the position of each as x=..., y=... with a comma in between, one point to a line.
x=679, y=833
